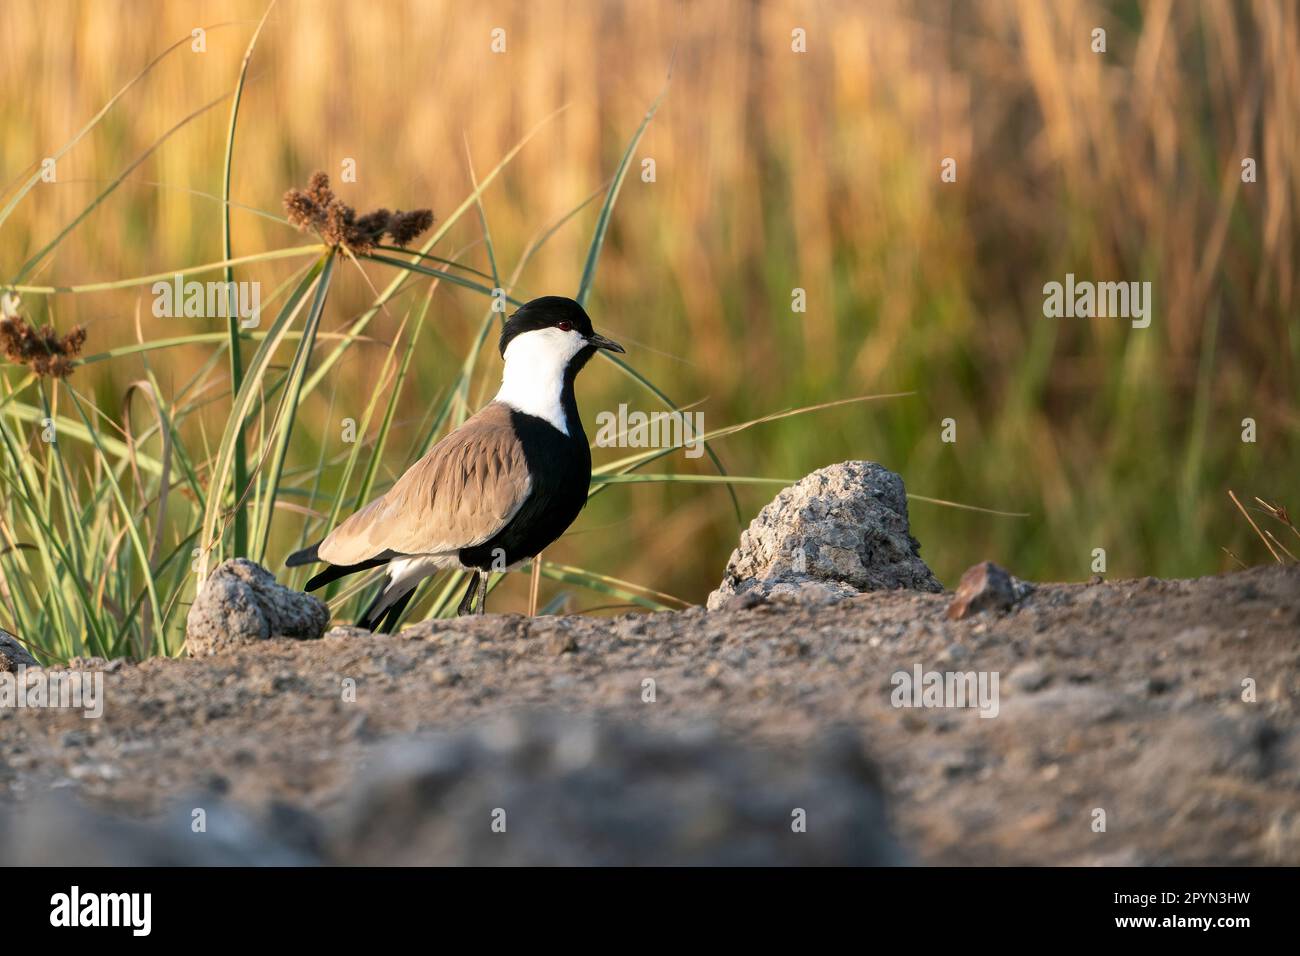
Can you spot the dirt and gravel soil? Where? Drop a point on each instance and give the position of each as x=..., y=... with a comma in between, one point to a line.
x=1169, y=705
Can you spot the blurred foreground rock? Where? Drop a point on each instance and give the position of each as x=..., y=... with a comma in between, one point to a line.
x=62, y=832
x=242, y=603
x=571, y=791
x=520, y=790
x=838, y=532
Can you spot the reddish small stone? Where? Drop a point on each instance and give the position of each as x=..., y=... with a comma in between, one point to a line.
x=986, y=587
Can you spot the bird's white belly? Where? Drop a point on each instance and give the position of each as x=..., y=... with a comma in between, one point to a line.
x=404, y=573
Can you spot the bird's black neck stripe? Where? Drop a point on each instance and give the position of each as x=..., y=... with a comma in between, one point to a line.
x=569, y=399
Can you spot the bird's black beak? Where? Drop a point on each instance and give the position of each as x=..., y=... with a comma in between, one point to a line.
x=600, y=342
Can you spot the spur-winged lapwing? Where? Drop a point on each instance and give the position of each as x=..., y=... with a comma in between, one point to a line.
x=494, y=492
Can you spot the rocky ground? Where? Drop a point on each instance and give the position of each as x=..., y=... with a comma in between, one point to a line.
x=756, y=734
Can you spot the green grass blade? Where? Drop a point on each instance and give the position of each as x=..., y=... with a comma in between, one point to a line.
x=634, y=461
x=640, y=478
x=442, y=274
x=240, y=478
x=292, y=252
x=45, y=250
x=603, y=584
x=94, y=120
x=282, y=429
x=49, y=546
x=133, y=531
x=593, y=258
x=244, y=402
x=607, y=210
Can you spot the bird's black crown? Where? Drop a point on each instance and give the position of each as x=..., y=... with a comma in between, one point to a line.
x=550, y=311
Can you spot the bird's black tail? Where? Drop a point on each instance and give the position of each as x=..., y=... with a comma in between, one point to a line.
x=334, y=571
x=384, y=610
x=305, y=556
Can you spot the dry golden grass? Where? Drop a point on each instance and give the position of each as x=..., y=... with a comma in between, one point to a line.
x=774, y=171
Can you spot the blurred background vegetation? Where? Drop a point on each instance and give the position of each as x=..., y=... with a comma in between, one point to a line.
x=774, y=170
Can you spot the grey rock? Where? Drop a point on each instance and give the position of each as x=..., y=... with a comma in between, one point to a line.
x=1080, y=705
x=785, y=592
x=574, y=791
x=808, y=592
x=349, y=631
x=241, y=602
x=63, y=832
x=1281, y=841
x=12, y=653
x=954, y=653
x=838, y=532
x=1241, y=747
x=1029, y=677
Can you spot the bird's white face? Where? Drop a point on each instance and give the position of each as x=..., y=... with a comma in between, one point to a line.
x=534, y=372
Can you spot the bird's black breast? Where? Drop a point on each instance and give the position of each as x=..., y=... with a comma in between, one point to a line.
x=559, y=466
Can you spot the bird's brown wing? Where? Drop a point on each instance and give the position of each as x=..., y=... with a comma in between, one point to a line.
x=460, y=494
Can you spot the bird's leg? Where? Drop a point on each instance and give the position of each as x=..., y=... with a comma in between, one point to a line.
x=482, y=592
x=463, y=608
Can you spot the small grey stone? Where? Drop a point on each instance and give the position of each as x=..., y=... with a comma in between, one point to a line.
x=838, y=532
x=809, y=592
x=1029, y=677
x=241, y=603
x=442, y=677
x=954, y=652
x=561, y=643
x=349, y=631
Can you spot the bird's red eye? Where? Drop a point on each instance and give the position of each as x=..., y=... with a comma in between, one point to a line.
x=565, y=326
